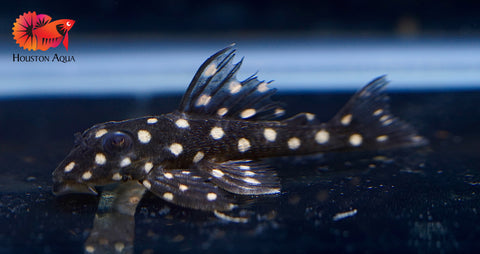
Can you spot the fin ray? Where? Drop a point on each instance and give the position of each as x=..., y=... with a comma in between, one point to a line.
x=242, y=177
x=187, y=190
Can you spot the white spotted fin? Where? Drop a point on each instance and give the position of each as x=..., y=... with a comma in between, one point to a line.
x=242, y=177
x=368, y=122
x=193, y=187
x=188, y=189
x=215, y=92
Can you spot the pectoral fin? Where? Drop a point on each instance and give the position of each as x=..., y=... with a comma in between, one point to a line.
x=185, y=188
x=61, y=188
x=242, y=177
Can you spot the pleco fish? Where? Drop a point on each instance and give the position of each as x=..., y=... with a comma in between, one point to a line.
x=212, y=146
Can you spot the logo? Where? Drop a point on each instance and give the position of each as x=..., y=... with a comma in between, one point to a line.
x=39, y=32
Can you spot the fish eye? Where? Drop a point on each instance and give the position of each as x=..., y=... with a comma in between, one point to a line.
x=117, y=142
x=69, y=23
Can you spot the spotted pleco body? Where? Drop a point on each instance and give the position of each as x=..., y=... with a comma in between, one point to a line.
x=212, y=146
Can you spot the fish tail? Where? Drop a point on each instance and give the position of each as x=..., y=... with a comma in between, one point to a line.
x=23, y=31
x=366, y=122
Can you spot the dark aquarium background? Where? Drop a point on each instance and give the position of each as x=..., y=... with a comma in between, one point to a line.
x=249, y=17
x=128, y=59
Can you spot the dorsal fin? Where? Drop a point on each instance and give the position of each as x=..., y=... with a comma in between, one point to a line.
x=42, y=19
x=216, y=92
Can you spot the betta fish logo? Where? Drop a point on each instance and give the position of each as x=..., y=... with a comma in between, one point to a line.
x=39, y=32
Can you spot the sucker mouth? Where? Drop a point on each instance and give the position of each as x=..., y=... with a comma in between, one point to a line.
x=62, y=188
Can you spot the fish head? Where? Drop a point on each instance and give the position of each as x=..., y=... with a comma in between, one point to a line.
x=64, y=25
x=104, y=154
x=68, y=24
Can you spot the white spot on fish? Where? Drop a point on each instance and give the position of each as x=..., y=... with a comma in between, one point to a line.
x=378, y=112
x=69, y=167
x=152, y=120
x=251, y=180
x=87, y=175
x=176, y=149
x=168, y=175
x=147, y=167
x=322, y=136
x=222, y=111
x=346, y=119
x=262, y=87
x=387, y=122
x=217, y=173
x=125, y=162
x=279, y=111
x=89, y=248
x=147, y=184
x=168, y=196
x=183, y=187
x=270, y=134
x=217, y=133
x=182, y=123
x=100, y=133
x=249, y=173
x=310, y=116
x=144, y=136
x=382, y=138
x=210, y=70
x=243, y=145
x=244, y=167
x=119, y=246
x=384, y=118
x=294, y=143
x=247, y=113
x=211, y=196
x=100, y=159
x=117, y=177
x=198, y=157
x=203, y=100
x=186, y=172
x=234, y=87
x=355, y=139
x=417, y=138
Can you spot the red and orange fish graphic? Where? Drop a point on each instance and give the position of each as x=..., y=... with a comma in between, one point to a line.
x=33, y=32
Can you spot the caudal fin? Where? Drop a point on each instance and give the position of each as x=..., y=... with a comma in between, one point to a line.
x=23, y=31
x=367, y=121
